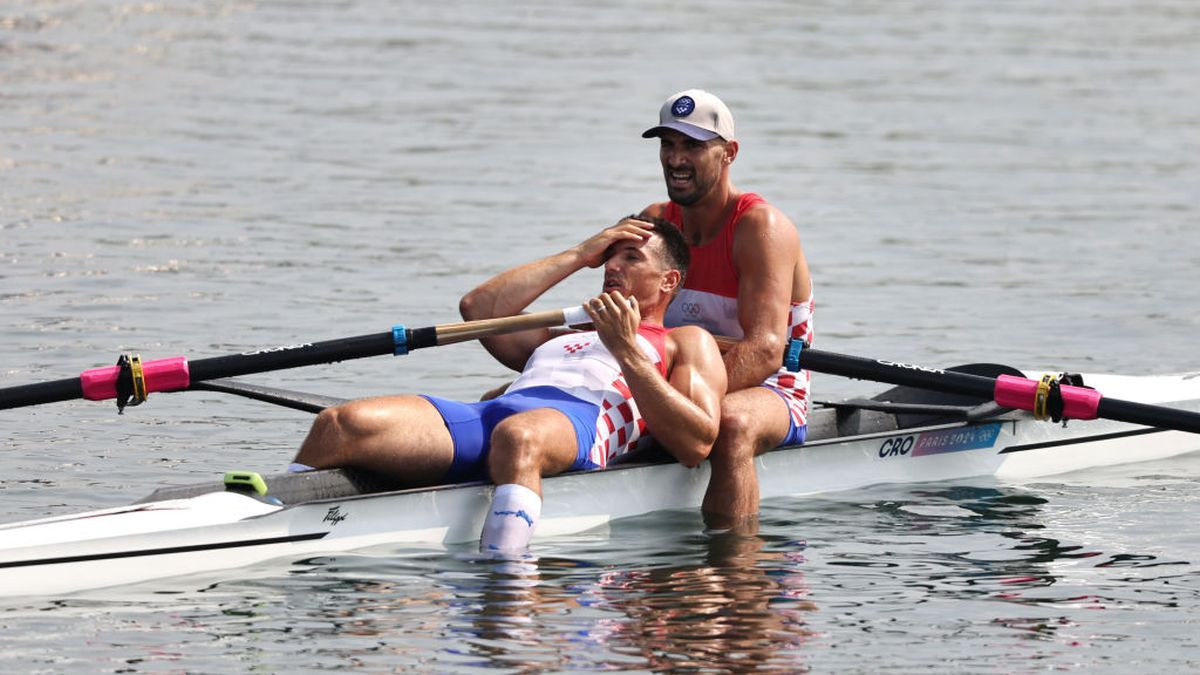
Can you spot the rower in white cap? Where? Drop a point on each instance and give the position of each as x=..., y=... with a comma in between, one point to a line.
x=748, y=279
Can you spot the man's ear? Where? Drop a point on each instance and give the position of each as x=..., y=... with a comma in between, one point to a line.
x=670, y=281
x=731, y=151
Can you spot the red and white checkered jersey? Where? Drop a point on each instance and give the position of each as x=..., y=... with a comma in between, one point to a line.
x=580, y=365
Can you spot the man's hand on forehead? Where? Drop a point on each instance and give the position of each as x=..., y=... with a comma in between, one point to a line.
x=617, y=246
x=636, y=232
x=636, y=227
x=596, y=249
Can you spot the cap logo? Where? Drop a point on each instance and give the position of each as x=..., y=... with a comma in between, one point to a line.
x=683, y=106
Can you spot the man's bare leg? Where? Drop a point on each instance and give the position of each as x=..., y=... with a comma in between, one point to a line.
x=753, y=421
x=525, y=447
x=400, y=436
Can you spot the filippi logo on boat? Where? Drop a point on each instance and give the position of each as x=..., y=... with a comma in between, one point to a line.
x=941, y=441
x=334, y=515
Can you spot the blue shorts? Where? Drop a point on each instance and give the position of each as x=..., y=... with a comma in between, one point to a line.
x=471, y=426
x=796, y=432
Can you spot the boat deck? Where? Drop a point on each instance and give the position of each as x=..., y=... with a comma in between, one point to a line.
x=828, y=421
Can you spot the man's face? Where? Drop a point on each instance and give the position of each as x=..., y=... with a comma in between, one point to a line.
x=635, y=269
x=690, y=167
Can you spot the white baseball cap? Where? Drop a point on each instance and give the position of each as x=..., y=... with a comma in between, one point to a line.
x=695, y=113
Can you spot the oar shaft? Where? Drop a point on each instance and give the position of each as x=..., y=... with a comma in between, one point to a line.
x=1081, y=403
x=450, y=333
x=176, y=373
x=1149, y=415
x=901, y=374
x=38, y=393
x=291, y=356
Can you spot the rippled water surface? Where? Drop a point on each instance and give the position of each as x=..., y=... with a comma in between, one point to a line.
x=1010, y=182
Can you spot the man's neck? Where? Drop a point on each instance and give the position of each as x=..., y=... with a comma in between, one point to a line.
x=654, y=314
x=704, y=220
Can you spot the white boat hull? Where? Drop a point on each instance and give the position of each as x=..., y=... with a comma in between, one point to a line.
x=222, y=530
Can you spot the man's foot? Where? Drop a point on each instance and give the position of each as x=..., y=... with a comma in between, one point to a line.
x=511, y=519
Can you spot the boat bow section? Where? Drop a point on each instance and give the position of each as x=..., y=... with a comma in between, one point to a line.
x=108, y=546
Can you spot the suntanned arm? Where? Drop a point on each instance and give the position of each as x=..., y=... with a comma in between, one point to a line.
x=766, y=250
x=683, y=411
x=511, y=291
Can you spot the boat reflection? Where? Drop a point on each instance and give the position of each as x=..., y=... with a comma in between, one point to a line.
x=742, y=605
x=661, y=595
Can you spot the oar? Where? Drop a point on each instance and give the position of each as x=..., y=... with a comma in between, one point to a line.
x=1045, y=398
x=287, y=398
x=133, y=379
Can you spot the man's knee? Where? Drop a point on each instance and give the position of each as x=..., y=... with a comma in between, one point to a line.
x=325, y=444
x=324, y=424
x=345, y=423
x=750, y=424
x=737, y=422
x=338, y=420
x=745, y=423
x=516, y=444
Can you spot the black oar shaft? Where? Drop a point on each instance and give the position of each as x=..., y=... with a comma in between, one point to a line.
x=177, y=373
x=297, y=400
x=984, y=388
x=258, y=361
x=291, y=356
x=1149, y=415
x=901, y=374
x=41, y=392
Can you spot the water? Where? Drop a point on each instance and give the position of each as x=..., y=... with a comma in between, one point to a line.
x=973, y=181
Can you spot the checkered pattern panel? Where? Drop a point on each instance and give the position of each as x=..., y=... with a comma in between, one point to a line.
x=793, y=387
x=620, y=425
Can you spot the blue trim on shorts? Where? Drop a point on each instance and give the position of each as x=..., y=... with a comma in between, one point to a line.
x=471, y=426
x=797, y=433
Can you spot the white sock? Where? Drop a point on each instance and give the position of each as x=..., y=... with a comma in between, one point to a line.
x=297, y=467
x=511, y=519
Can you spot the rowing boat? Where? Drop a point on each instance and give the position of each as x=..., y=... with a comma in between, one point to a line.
x=900, y=436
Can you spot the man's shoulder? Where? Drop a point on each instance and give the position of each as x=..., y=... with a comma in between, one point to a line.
x=696, y=350
x=691, y=339
x=763, y=216
x=762, y=230
x=687, y=332
x=655, y=210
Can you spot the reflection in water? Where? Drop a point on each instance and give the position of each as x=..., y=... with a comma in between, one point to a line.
x=743, y=608
x=508, y=616
x=1004, y=546
x=346, y=617
x=957, y=526
x=739, y=606
x=987, y=574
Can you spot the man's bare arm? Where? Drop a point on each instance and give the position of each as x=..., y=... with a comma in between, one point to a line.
x=683, y=410
x=511, y=291
x=766, y=251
